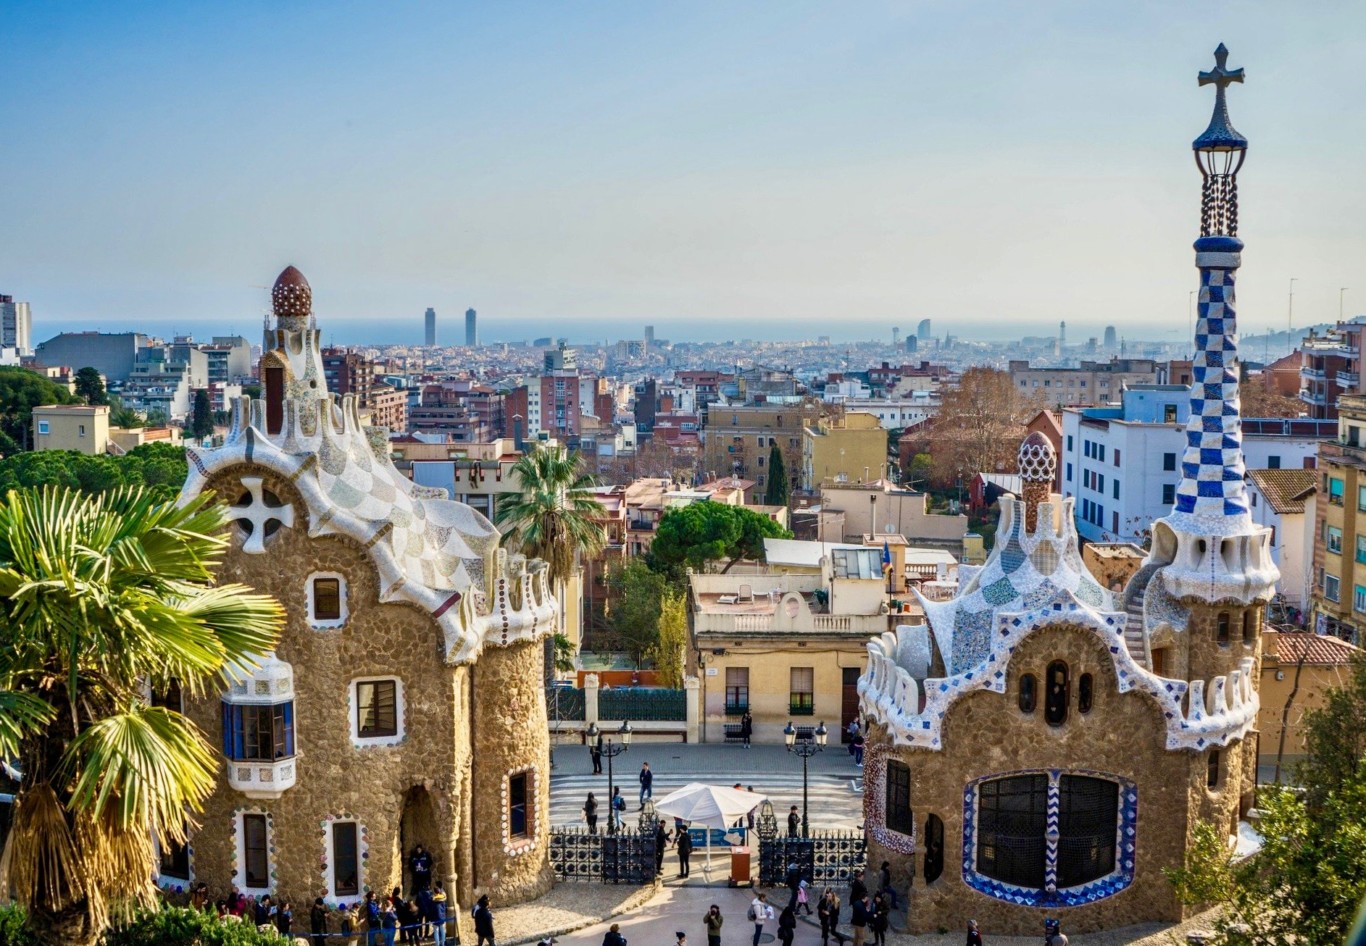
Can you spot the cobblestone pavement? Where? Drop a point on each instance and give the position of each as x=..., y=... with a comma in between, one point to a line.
x=658, y=913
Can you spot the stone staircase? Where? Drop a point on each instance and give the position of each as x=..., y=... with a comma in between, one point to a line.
x=1133, y=628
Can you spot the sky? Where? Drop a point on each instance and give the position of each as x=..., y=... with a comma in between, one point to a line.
x=755, y=169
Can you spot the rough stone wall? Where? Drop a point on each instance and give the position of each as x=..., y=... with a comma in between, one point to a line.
x=334, y=777
x=987, y=734
x=510, y=734
x=1207, y=658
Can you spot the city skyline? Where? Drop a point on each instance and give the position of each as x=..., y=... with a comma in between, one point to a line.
x=701, y=166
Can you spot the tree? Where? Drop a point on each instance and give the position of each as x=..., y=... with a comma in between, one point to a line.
x=671, y=641
x=124, y=417
x=564, y=653
x=102, y=596
x=201, y=423
x=636, y=608
x=553, y=515
x=918, y=476
x=701, y=533
x=1261, y=400
x=778, y=488
x=1304, y=886
x=90, y=386
x=21, y=391
x=979, y=426
x=158, y=467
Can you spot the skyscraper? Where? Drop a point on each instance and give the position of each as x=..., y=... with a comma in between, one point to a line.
x=923, y=330
x=16, y=327
x=471, y=329
x=649, y=337
x=431, y=328
x=1111, y=338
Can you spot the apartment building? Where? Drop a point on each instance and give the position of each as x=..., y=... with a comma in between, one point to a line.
x=1338, y=602
x=1123, y=463
x=1092, y=382
x=848, y=447
x=736, y=439
x=1284, y=502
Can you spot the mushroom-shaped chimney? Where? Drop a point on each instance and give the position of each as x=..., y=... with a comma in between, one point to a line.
x=292, y=297
x=1038, y=464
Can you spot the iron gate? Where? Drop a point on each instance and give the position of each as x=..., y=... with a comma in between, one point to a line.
x=827, y=857
x=627, y=857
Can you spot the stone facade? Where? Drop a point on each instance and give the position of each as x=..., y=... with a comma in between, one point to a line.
x=410, y=664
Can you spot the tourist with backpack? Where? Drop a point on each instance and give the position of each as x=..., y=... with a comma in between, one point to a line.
x=759, y=912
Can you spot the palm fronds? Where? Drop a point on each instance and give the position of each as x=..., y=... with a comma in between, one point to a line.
x=554, y=515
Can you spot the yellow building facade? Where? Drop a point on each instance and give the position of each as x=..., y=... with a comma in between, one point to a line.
x=849, y=448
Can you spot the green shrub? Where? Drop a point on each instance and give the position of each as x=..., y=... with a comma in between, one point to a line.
x=181, y=926
x=12, y=929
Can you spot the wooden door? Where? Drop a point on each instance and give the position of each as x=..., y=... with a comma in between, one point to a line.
x=849, y=701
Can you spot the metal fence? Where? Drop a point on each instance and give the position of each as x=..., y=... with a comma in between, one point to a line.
x=564, y=703
x=827, y=857
x=641, y=704
x=627, y=857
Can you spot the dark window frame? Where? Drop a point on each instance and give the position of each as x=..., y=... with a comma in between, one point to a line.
x=897, y=797
x=934, y=848
x=520, y=786
x=1029, y=693
x=255, y=855
x=345, y=859
x=1221, y=628
x=1012, y=820
x=258, y=732
x=377, y=729
x=1086, y=693
x=333, y=597
x=1057, y=693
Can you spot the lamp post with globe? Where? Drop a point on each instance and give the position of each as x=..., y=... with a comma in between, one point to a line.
x=611, y=750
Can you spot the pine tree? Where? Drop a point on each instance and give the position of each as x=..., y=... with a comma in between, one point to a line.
x=201, y=425
x=776, y=493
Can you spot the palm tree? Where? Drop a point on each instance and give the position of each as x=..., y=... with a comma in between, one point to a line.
x=554, y=516
x=102, y=599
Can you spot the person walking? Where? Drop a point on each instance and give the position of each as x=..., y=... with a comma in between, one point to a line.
x=787, y=926
x=857, y=747
x=879, y=920
x=746, y=727
x=617, y=806
x=436, y=914
x=975, y=935
x=759, y=913
x=713, y=921
x=794, y=823
x=613, y=936
x=804, y=897
x=857, y=888
x=647, y=781
x=595, y=753
x=684, y=847
x=409, y=919
x=859, y=915
x=828, y=911
x=590, y=813
x=317, y=922
x=853, y=729
x=483, y=921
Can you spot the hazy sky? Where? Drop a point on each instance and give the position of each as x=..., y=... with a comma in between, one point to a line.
x=786, y=163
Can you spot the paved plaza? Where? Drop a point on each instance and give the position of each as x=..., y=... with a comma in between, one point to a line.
x=836, y=784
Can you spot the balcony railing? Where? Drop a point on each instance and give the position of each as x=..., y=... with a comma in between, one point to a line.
x=802, y=706
x=1347, y=379
x=1313, y=374
x=737, y=708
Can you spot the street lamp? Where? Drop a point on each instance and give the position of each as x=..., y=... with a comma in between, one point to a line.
x=806, y=749
x=611, y=750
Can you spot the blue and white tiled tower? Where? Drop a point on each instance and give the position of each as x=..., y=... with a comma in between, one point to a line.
x=1213, y=549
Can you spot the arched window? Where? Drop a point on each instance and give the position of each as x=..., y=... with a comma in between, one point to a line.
x=1249, y=628
x=1221, y=628
x=1056, y=694
x=1028, y=692
x=1014, y=823
x=934, y=848
x=1085, y=693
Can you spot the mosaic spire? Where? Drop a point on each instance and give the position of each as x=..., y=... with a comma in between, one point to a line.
x=1212, y=497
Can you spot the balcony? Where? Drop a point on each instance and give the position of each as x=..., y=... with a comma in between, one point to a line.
x=262, y=780
x=1313, y=397
x=1312, y=374
x=737, y=707
x=802, y=705
x=1347, y=379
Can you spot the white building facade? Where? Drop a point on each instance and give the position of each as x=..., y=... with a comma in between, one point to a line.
x=1123, y=464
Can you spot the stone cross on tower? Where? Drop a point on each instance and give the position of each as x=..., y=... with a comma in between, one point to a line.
x=1221, y=75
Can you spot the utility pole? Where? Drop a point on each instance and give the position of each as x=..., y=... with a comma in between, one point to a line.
x=1341, y=293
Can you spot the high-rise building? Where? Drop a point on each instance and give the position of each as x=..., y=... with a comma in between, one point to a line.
x=431, y=328
x=896, y=336
x=1111, y=338
x=649, y=337
x=923, y=329
x=471, y=329
x=16, y=326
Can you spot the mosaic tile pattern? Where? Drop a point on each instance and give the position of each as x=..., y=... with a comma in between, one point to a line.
x=1126, y=844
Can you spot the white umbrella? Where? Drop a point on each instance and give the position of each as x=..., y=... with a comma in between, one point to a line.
x=710, y=805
